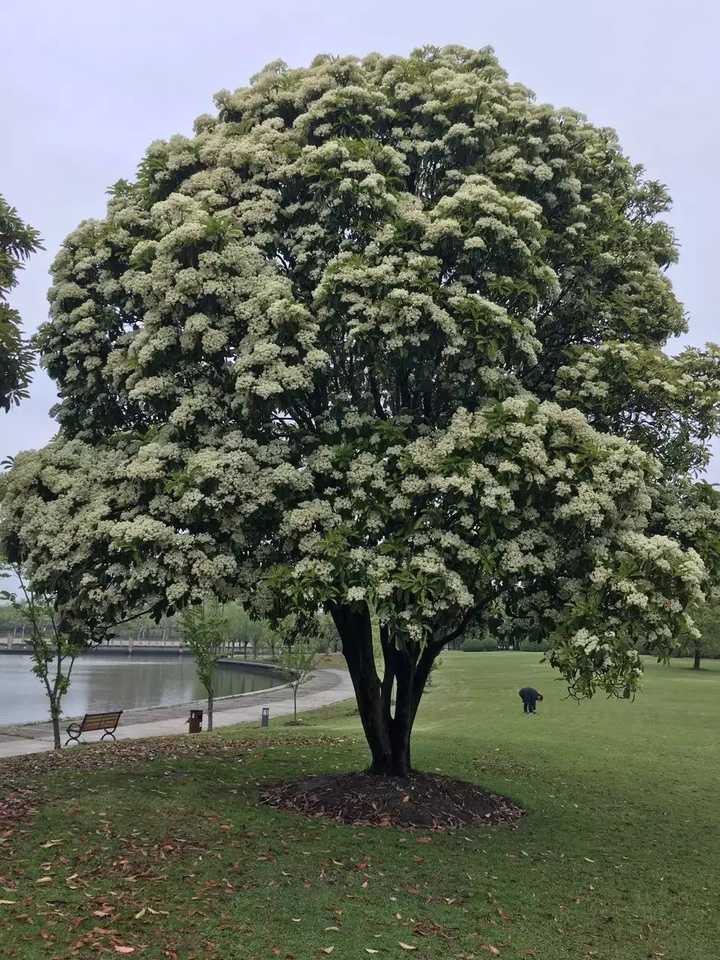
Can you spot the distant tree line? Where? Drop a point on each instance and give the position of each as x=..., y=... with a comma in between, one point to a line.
x=704, y=646
x=245, y=635
x=707, y=644
x=249, y=636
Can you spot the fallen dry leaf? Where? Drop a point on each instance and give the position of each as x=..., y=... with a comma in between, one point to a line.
x=327, y=949
x=407, y=946
x=7, y=902
x=124, y=950
x=490, y=949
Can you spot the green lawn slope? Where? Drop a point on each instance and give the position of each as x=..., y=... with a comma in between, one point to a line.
x=159, y=849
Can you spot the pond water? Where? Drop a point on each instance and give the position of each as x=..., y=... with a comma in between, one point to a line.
x=101, y=683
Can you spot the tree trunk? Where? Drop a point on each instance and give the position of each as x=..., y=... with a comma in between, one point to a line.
x=295, y=693
x=55, y=719
x=696, y=660
x=210, y=711
x=406, y=671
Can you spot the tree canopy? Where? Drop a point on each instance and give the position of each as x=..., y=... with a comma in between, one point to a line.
x=17, y=242
x=382, y=335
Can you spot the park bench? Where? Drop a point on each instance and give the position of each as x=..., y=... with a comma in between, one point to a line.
x=94, y=721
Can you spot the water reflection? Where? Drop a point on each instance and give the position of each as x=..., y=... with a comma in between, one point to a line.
x=109, y=682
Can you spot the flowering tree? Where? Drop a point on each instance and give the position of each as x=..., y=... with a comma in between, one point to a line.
x=384, y=334
x=17, y=242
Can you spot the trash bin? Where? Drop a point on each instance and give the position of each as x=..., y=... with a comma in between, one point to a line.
x=265, y=717
x=195, y=721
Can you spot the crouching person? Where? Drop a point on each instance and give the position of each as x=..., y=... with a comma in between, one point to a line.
x=529, y=697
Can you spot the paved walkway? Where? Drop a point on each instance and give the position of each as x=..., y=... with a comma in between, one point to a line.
x=325, y=687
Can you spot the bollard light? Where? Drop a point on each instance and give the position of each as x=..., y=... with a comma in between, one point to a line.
x=265, y=717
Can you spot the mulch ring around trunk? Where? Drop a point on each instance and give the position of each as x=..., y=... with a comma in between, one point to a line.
x=423, y=800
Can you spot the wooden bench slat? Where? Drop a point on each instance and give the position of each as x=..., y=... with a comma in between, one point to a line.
x=96, y=724
x=97, y=717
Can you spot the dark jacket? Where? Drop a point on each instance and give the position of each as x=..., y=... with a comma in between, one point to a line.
x=529, y=695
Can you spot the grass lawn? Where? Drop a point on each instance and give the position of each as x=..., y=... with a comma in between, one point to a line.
x=159, y=849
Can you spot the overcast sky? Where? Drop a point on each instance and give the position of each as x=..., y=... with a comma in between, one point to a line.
x=85, y=86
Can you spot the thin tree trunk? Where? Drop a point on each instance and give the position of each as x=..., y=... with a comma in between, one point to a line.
x=52, y=695
x=210, y=710
x=696, y=660
x=55, y=719
x=295, y=693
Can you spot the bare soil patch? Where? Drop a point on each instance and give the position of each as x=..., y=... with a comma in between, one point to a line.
x=424, y=800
